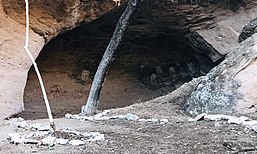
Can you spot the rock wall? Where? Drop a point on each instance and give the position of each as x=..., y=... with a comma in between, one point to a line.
x=214, y=24
x=230, y=87
x=51, y=17
x=225, y=32
x=48, y=19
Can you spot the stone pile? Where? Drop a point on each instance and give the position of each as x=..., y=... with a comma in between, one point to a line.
x=44, y=135
x=242, y=120
x=102, y=117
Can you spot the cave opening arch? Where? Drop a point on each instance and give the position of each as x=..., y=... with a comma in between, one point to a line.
x=153, y=59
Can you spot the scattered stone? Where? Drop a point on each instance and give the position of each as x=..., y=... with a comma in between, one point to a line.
x=76, y=142
x=254, y=128
x=41, y=133
x=85, y=118
x=99, y=115
x=164, y=121
x=104, y=118
x=14, y=121
x=197, y=118
x=49, y=140
x=142, y=120
x=95, y=136
x=118, y=117
x=44, y=128
x=35, y=126
x=237, y=120
x=20, y=119
x=62, y=141
x=23, y=124
x=250, y=123
x=131, y=117
x=152, y=120
x=30, y=135
x=70, y=116
x=217, y=117
x=16, y=138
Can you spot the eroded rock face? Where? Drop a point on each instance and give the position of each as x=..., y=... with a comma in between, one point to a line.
x=230, y=87
x=248, y=30
x=14, y=63
x=48, y=19
x=213, y=23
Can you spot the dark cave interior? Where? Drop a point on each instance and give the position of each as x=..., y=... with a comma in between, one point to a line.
x=153, y=59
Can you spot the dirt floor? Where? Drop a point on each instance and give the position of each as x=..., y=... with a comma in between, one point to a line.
x=177, y=136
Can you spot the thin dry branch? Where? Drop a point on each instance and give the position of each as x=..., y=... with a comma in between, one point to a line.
x=26, y=47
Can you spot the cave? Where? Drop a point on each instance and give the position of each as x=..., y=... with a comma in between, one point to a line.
x=155, y=57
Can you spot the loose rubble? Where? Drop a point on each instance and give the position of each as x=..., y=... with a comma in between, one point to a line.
x=16, y=138
x=49, y=140
x=102, y=116
x=76, y=142
x=244, y=121
x=44, y=135
x=61, y=141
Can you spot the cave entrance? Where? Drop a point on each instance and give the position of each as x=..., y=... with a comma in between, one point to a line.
x=153, y=60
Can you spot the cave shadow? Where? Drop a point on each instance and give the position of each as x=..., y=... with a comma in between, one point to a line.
x=153, y=59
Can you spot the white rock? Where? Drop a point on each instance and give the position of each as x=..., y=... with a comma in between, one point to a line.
x=254, y=128
x=94, y=136
x=152, y=120
x=164, y=121
x=67, y=115
x=190, y=120
x=99, y=137
x=104, y=118
x=142, y=120
x=35, y=126
x=237, y=120
x=87, y=118
x=118, y=117
x=131, y=117
x=97, y=116
x=90, y=134
x=76, y=142
x=21, y=119
x=23, y=124
x=217, y=117
x=250, y=123
x=16, y=138
x=30, y=135
x=14, y=121
x=197, y=118
x=49, y=140
x=41, y=133
x=62, y=141
x=105, y=112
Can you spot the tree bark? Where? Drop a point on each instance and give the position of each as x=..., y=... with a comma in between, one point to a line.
x=94, y=94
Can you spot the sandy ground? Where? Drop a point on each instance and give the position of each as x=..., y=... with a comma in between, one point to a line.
x=133, y=137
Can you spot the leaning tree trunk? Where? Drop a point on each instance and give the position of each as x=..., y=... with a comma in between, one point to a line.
x=94, y=94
